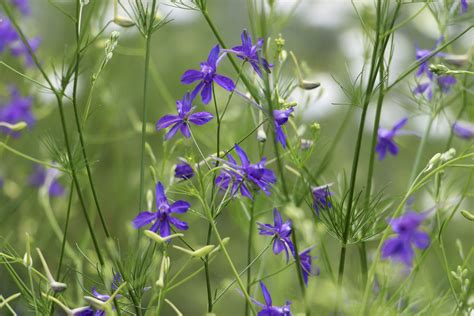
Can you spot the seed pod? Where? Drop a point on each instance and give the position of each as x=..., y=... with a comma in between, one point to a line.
x=123, y=21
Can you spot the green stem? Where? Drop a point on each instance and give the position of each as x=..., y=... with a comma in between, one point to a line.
x=420, y=150
x=144, y=108
x=249, y=251
x=299, y=271
x=66, y=226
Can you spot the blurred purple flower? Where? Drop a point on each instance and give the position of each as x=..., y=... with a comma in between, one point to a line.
x=163, y=216
x=21, y=49
x=251, y=53
x=281, y=233
x=463, y=129
x=280, y=118
x=47, y=177
x=183, y=171
x=422, y=55
x=22, y=6
x=83, y=311
x=321, y=199
x=406, y=227
x=307, y=267
x=463, y=6
x=246, y=173
x=444, y=83
x=184, y=117
x=385, y=141
x=8, y=34
x=268, y=309
x=207, y=75
x=16, y=110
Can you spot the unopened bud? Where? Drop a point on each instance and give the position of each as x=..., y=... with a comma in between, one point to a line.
x=149, y=200
x=315, y=127
x=14, y=127
x=308, y=85
x=165, y=265
x=199, y=253
x=157, y=238
x=27, y=261
x=439, y=69
x=261, y=135
x=467, y=215
x=448, y=155
x=123, y=21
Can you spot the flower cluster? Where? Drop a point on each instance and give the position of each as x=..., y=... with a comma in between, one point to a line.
x=385, y=139
x=47, y=178
x=17, y=109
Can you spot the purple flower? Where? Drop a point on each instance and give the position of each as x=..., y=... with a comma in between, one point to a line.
x=162, y=217
x=184, y=117
x=306, y=262
x=207, y=75
x=47, y=177
x=246, y=173
x=183, y=171
x=8, y=34
x=400, y=248
x=251, y=53
x=22, y=6
x=422, y=55
x=268, y=309
x=463, y=129
x=20, y=49
x=84, y=311
x=16, y=110
x=281, y=233
x=321, y=199
x=444, y=82
x=385, y=141
x=463, y=6
x=280, y=118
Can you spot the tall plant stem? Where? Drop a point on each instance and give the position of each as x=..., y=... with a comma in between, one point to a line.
x=370, y=172
x=145, y=91
x=59, y=96
x=77, y=119
x=249, y=251
x=421, y=149
x=66, y=226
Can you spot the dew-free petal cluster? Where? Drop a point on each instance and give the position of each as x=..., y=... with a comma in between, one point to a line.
x=281, y=233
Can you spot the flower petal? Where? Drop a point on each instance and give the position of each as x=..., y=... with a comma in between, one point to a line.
x=200, y=118
x=224, y=82
x=144, y=218
x=166, y=121
x=266, y=294
x=179, y=207
x=206, y=93
x=179, y=224
x=213, y=55
x=191, y=76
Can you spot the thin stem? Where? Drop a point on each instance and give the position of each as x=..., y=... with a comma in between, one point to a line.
x=249, y=251
x=420, y=150
x=299, y=271
x=144, y=110
x=66, y=226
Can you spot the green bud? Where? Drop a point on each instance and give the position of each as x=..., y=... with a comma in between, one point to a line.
x=14, y=127
x=439, y=69
x=467, y=215
x=315, y=127
x=157, y=238
x=308, y=85
x=199, y=253
x=123, y=21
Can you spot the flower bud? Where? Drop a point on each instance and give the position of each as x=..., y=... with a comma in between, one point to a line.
x=165, y=265
x=198, y=253
x=27, y=261
x=467, y=215
x=315, y=127
x=308, y=85
x=123, y=21
x=306, y=144
x=439, y=69
x=448, y=155
x=157, y=238
x=149, y=200
x=14, y=127
x=261, y=135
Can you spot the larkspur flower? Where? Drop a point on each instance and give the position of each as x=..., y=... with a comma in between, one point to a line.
x=321, y=199
x=280, y=118
x=406, y=227
x=163, y=218
x=443, y=82
x=21, y=5
x=280, y=231
x=184, y=117
x=268, y=309
x=48, y=177
x=307, y=266
x=18, y=109
x=183, y=171
x=463, y=6
x=463, y=129
x=207, y=75
x=385, y=139
x=83, y=311
x=239, y=176
x=8, y=34
x=422, y=55
x=251, y=53
x=20, y=49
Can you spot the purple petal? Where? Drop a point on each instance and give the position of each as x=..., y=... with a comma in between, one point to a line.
x=206, y=93
x=144, y=218
x=266, y=294
x=400, y=124
x=179, y=207
x=165, y=229
x=173, y=130
x=463, y=129
x=178, y=223
x=166, y=121
x=191, y=76
x=213, y=55
x=185, y=130
x=277, y=220
x=160, y=195
x=224, y=82
x=242, y=155
x=421, y=240
x=200, y=118
x=278, y=246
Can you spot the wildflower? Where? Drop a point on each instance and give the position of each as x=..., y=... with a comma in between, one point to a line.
x=268, y=309
x=463, y=129
x=244, y=174
x=106, y=297
x=280, y=231
x=280, y=118
x=22, y=6
x=183, y=171
x=162, y=217
x=17, y=110
x=422, y=55
x=306, y=262
x=400, y=248
x=49, y=178
x=443, y=82
x=184, y=117
x=251, y=53
x=321, y=198
x=79, y=311
x=385, y=139
x=207, y=75
x=463, y=6
x=8, y=34
x=21, y=49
